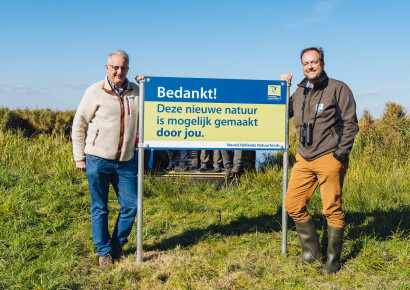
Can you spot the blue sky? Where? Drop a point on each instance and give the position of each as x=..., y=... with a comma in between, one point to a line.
x=52, y=50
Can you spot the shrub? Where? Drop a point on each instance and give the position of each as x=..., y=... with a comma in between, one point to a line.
x=36, y=121
x=388, y=137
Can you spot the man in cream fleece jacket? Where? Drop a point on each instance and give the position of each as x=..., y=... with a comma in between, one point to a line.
x=104, y=131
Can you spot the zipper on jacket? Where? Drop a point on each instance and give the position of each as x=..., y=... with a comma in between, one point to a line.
x=96, y=135
x=122, y=129
x=310, y=97
x=128, y=105
x=334, y=135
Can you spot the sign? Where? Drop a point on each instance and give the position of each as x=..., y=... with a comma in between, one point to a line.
x=195, y=113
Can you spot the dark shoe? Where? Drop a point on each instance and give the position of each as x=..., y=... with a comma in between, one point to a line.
x=310, y=241
x=235, y=170
x=105, y=261
x=203, y=167
x=228, y=172
x=334, y=249
x=180, y=168
x=170, y=167
x=118, y=253
x=217, y=169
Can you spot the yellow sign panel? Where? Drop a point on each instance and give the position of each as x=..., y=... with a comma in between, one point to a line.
x=214, y=122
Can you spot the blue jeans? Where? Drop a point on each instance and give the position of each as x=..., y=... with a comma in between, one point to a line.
x=183, y=157
x=122, y=175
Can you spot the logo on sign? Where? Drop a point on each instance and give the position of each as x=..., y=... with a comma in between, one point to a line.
x=274, y=92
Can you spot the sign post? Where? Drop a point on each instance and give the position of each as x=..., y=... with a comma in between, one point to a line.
x=140, y=169
x=285, y=175
x=211, y=114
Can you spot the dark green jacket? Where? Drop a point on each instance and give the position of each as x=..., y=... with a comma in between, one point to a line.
x=331, y=109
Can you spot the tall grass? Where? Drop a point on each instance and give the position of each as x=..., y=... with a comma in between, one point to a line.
x=201, y=235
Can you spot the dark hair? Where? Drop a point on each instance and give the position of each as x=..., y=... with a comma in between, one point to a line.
x=319, y=50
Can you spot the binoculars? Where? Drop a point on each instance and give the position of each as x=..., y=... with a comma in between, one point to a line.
x=306, y=134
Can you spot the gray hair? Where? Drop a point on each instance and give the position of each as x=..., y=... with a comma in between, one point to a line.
x=118, y=52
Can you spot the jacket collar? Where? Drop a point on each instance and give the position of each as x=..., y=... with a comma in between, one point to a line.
x=106, y=86
x=321, y=84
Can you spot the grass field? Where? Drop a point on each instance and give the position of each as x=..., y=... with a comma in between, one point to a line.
x=199, y=235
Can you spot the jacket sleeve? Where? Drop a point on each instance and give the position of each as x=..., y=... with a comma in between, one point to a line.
x=290, y=109
x=82, y=118
x=347, y=112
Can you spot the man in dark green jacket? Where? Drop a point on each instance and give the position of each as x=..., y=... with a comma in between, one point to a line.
x=325, y=118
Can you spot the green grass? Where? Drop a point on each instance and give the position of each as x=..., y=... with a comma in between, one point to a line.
x=200, y=235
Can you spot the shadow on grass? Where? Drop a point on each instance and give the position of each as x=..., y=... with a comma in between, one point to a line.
x=378, y=225
x=263, y=224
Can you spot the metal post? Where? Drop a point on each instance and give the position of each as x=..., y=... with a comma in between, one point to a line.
x=285, y=174
x=140, y=170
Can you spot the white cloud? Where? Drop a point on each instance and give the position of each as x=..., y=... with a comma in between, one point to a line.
x=12, y=89
x=78, y=86
x=368, y=94
x=73, y=86
x=321, y=12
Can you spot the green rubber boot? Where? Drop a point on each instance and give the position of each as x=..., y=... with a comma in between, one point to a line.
x=334, y=249
x=310, y=241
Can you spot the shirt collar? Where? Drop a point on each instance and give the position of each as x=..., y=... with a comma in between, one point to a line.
x=118, y=91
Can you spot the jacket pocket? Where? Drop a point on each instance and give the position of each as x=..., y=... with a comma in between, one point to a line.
x=334, y=135
x=128, y=105
x=96, y=136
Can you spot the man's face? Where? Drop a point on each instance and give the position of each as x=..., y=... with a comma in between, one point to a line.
x=117, y=70
x=312, y=66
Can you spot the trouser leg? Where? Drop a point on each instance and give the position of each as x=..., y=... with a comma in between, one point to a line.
x=302, y=184
x=204, y=157
x=171, y=157
x=237, y=159
x=217, y=158
x=183, y=158
x=330, y=173
x=125, y=185
x=227, y=158
x=98, y=172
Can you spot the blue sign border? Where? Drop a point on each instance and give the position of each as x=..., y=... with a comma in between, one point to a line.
x=236, y=91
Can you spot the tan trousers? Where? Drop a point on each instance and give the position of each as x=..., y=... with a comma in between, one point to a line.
x=217, y=158
x=328, y=173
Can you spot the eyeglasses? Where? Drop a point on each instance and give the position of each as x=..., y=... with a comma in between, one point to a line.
x=116, y=67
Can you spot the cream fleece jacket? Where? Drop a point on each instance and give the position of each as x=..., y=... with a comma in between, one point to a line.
x=104, y=125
